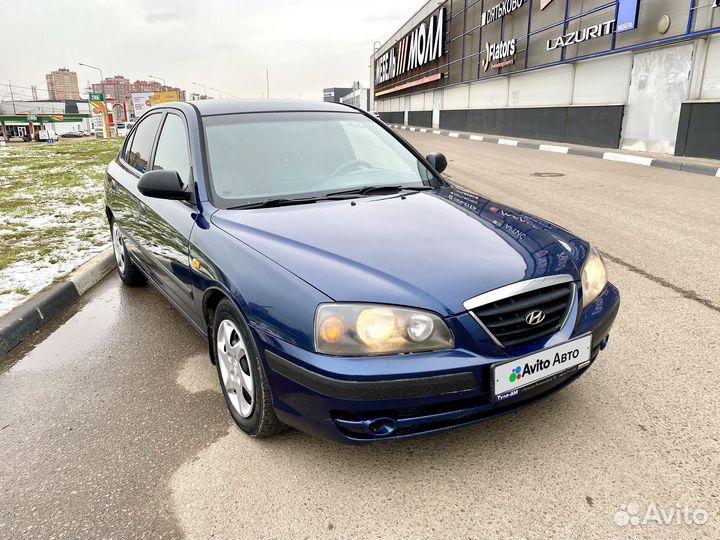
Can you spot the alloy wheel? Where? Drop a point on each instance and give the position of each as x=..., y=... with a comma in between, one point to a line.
x=118, y=247
x=234, y=368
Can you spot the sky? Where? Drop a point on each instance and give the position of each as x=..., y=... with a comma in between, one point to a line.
x=224, y=44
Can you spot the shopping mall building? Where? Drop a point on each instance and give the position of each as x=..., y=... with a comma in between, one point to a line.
x=636, y=74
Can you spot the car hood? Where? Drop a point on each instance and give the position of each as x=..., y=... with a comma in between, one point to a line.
x=430, y=249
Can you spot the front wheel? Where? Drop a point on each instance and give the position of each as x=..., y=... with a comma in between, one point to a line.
x=129, y=273
x=241, y=374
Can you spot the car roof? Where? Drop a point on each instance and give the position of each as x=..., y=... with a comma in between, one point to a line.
x=210, y=107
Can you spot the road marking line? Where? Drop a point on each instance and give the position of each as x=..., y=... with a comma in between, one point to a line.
x=551, y=148
x=610, y=156
x=626, y=158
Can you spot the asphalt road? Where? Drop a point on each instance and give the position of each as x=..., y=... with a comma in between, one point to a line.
x=111, y=422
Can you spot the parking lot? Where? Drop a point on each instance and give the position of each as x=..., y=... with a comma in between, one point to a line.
x=112, y=423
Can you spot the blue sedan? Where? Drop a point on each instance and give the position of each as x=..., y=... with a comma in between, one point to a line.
x=344, y=286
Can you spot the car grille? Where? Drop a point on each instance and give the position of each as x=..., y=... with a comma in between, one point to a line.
x=505, y=319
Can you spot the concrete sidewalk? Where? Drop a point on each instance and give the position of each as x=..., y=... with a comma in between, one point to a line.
x=707, y=167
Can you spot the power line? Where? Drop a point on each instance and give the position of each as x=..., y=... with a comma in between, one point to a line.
x=24, y=87
x=17, y=93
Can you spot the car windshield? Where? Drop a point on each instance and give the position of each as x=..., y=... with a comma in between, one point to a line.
x=255, y=157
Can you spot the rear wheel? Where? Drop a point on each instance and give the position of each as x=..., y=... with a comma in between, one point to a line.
x=129, y=273
x=241, y=374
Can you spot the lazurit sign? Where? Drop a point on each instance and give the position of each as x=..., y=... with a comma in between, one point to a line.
x=425, y=43
x=586, y=34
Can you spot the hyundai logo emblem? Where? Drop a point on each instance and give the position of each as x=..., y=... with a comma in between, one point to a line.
x=535, y=317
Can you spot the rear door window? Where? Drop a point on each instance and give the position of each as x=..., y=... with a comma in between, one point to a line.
x=141, y=145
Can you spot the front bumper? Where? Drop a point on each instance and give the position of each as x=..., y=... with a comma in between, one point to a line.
x=366, y=400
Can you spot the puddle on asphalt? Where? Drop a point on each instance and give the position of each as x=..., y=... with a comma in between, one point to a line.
x=81, y=328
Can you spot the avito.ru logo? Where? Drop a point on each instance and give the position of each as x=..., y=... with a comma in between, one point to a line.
x=633, y=514
x=539, y=365
x=516, y=374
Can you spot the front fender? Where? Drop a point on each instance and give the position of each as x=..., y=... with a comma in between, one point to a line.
x=273, y=300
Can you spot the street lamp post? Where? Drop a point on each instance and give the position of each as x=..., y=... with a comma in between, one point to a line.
x=102, y=79
x=204, y=86
x=158, y=78
x=106, y=117
x=218, y=91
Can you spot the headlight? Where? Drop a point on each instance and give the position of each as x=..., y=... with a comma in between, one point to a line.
x=594, y=277
x=370, y=329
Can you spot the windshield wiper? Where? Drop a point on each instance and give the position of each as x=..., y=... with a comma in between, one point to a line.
x=272, y=203
x=275, y=202
x=377, y=190
x=365, y=191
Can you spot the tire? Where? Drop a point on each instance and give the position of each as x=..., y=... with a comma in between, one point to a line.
x=241, y=374
x=127, y=270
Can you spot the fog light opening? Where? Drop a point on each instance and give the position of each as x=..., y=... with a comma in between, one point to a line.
x=380, y=427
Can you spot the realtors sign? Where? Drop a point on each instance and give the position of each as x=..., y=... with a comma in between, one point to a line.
x=425, y=43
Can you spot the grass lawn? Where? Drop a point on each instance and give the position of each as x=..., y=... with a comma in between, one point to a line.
x=51, y=212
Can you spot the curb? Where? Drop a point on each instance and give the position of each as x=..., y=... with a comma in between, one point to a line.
x=33, y=314
x=683, y=166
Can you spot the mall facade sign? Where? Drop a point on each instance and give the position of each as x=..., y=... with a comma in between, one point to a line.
x=498, y=55
x=458, y=42
x=424, y=44
x=553, y=53
x=585, y=34
x=498, y=11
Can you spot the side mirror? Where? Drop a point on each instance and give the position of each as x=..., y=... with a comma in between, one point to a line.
x=163, y=185
x=437, y=161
